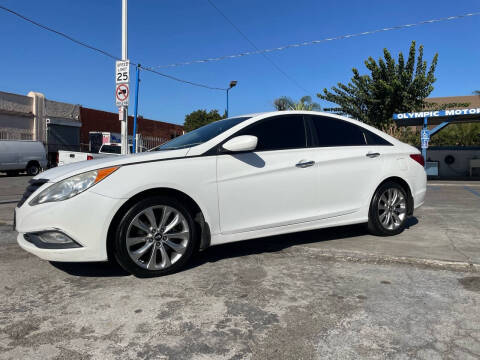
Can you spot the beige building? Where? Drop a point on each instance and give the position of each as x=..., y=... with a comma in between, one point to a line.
x=473, y=101
x=26, y=117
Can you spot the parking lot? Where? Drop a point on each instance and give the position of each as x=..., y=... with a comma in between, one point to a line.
x=336, y=293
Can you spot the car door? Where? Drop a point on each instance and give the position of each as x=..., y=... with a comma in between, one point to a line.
x=271, y=186
x=347, y=166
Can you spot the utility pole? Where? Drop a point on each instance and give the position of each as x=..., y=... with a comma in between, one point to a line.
x=123, y=113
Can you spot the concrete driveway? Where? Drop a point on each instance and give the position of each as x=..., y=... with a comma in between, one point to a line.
x=329, y=294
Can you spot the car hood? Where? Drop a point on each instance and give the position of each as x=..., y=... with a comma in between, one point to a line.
x=62, y=172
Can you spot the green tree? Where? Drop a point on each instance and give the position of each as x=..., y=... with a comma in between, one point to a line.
x=198, y=118
x=476, y=92
x=457, y=135
x=391, y=87
x=305, y=103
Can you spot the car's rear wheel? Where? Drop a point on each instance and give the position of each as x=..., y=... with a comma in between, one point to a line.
x=156, y=236
x=388, y=210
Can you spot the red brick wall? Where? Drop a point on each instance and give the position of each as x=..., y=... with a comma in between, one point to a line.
x=97, y=120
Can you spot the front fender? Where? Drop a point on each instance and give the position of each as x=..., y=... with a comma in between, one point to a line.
x=195, y=177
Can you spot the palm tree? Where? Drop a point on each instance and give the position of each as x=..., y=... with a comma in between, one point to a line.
x=283, y=103
x=476, y=92
x=305, y=103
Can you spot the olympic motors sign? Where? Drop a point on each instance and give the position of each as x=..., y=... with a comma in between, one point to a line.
x=438, y=113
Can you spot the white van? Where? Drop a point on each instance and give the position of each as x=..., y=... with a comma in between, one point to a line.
x=22, y=155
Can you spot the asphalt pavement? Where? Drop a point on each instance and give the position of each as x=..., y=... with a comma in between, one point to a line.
x=329, y=294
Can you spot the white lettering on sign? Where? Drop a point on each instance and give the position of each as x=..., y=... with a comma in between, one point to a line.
x=436, y=113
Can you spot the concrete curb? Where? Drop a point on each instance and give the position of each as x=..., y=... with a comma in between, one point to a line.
x=455, y=185
x=388, y=259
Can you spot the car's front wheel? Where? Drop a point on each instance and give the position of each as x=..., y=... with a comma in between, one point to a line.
x=388, y=210
x=156, y=236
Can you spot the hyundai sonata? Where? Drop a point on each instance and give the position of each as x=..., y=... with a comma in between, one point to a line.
x=239, y=178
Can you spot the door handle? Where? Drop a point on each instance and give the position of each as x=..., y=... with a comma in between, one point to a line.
x=304, y=164
x=372, y=155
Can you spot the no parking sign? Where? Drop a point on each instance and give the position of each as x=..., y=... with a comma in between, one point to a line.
x=122, y=94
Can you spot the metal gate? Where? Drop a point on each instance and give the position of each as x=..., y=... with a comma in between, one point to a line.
x=145, y=143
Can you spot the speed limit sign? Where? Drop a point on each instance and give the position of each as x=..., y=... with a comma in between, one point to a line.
x=122, y=72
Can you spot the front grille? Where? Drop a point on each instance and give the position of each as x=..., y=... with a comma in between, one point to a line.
x=34, y=185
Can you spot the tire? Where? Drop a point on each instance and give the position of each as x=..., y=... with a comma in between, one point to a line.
x=388, y=210
x=33, y=169
x=145, y=250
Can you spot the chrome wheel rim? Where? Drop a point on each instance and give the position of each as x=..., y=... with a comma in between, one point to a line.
x=157, y=237
x=392, y=209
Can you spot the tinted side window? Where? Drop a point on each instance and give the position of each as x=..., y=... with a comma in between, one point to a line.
x=374, y=139
x=334, y=132
x=280, y=132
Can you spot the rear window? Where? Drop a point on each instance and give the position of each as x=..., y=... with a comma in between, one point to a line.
x=374, y=139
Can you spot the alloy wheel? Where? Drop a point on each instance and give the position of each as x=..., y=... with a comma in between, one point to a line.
x=157, y=237
x=392, y=208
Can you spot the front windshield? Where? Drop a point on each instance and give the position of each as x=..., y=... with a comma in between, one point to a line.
x=200, y=135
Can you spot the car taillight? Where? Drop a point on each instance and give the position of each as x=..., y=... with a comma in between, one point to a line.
x=89, y=157
x=418, y=158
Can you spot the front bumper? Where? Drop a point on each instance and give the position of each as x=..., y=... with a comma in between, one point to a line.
x=85, y=218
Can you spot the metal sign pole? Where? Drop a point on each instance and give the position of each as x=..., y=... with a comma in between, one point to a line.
x=135, y=109
x=424, y=148
x=124, y=109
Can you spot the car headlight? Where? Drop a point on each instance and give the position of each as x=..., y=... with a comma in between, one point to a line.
x=72, y=186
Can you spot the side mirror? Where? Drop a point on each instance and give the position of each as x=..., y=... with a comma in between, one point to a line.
x=241, y=143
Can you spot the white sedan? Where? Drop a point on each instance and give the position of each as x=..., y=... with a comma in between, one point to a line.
x=240, y=178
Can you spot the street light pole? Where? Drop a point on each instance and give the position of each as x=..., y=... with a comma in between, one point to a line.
x=227, y=101
x=233, y=83
x=124, y=109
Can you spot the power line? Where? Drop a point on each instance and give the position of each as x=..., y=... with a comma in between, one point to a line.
x=180, y=80
x=103, y=52
x=68, y=37
x=314, y=42
x=256, y=48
